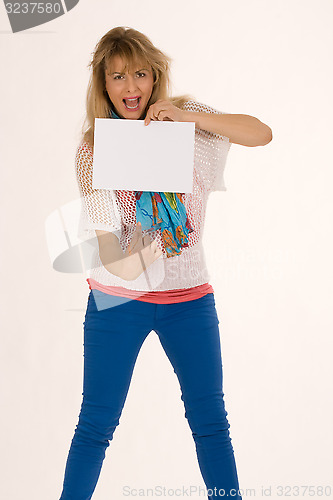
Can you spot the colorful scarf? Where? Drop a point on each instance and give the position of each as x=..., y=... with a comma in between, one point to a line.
x=165, y=211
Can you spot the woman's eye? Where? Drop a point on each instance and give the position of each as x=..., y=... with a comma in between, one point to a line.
x=118, y=77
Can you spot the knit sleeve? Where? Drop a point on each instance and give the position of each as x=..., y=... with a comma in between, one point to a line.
x=98, y=206
x=211, y=148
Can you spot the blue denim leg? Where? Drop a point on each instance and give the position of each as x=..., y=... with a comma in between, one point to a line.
x=113, y=335
x=189, y=334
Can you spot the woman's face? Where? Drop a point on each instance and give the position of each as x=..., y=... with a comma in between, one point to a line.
x=129, y=92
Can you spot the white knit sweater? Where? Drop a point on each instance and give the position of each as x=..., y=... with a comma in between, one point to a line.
x=114, y=211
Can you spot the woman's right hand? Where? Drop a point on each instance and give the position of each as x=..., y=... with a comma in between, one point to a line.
x=140, y=254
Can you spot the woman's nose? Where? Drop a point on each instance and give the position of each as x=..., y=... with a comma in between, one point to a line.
x=131, y=84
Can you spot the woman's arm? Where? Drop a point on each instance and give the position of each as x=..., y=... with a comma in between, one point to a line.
x=128, y=265
x=110, y=252
x=245, y=130
x=240, y=129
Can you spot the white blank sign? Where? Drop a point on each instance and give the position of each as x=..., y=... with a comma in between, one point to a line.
x=136, y=157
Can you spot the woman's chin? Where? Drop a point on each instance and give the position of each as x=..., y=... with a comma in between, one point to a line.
x=138, y=114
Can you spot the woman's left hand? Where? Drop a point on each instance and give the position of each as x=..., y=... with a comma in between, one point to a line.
x=164, y=110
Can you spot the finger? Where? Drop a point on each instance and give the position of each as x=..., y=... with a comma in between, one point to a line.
x=147, y=119
x=149, y=115
x=165, y=115
x=135, y=238
x=138, y=229
x=146, y=239
x=158, y=252
x=161, y=113
x=139, y=242
x=154, y=247
x=153, y=111
x=150, y=119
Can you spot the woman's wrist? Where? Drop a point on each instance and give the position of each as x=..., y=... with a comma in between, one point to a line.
x=188, y=116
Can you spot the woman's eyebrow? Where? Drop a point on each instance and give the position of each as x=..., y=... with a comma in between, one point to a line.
x=138, y=71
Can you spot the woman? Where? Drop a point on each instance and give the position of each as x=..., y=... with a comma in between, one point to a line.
x=149, y=269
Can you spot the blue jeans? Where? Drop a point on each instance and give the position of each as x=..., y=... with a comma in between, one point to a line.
x=114, y=331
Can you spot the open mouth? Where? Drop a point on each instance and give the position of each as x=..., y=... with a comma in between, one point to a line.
x=132, y=104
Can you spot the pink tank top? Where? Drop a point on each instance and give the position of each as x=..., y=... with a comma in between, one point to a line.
x=161, y=297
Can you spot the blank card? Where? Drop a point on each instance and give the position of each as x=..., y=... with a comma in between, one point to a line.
x=136, y=157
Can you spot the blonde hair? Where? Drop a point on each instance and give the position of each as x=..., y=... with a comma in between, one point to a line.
x=132, y=46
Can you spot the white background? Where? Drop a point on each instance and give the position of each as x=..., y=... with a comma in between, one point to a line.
x=268, y=242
